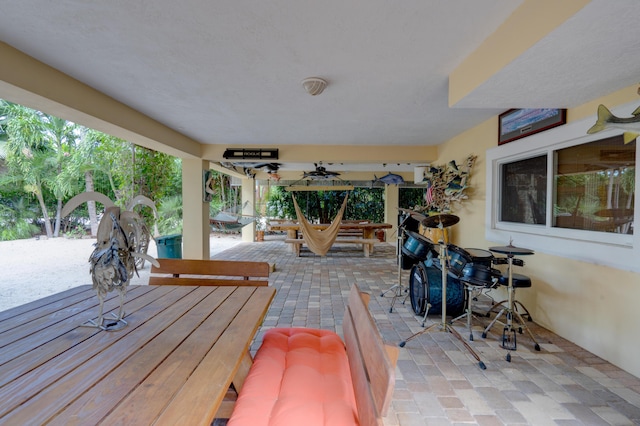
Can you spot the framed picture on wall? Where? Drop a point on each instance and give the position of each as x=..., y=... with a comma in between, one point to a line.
x=519, y=123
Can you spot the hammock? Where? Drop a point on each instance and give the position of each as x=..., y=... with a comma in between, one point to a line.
x=319, y=241
x=226, y=222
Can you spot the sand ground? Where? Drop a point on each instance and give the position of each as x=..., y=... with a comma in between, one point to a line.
x=35, y=268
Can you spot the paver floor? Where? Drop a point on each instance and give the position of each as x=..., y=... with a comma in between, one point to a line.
x=438, y=382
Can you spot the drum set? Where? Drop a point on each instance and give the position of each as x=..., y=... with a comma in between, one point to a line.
x=443, y=276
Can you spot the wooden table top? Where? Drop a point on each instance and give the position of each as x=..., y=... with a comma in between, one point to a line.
x=285, y=226
x=172, y=364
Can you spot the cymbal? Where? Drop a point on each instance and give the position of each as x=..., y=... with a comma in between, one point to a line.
x=511, y=250
x=418, y=216
x=414, y=214
x=440, y=220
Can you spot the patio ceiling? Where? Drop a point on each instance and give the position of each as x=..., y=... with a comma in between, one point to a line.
x=229, y=74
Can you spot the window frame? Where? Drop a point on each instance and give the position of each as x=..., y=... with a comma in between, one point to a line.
x=620, y=251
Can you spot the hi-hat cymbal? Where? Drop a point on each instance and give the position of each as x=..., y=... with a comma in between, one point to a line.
x=511, y=250
x=440, y=220
x=405, y=210
x=418, y=216
x=414, y=214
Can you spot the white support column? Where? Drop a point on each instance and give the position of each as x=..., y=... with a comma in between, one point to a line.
x=249, y=208
x=195, y=212
x=391, y=203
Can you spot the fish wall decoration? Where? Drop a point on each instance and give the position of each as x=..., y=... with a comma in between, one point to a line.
x=606, y=120
x=389, y=179
x=446, y=186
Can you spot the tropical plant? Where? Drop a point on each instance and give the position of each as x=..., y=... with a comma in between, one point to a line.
x=39, y=148
x=323, y=206
x=17, y=220
x=170, y=215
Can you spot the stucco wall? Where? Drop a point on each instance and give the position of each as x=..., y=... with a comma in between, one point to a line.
x=588, y=304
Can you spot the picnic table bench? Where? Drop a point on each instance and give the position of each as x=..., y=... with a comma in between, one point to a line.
x=368, y=229
x=367, y=244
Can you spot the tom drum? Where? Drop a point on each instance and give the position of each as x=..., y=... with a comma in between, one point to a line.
x=417, y=246
x=472, y=265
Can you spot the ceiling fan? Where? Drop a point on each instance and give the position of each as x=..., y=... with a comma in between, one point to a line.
x=320, y=173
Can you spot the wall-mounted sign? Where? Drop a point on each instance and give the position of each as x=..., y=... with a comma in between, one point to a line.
x=250, y=154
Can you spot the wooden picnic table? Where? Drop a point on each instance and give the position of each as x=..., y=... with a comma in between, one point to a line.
x=368, y=229
x=172, y=364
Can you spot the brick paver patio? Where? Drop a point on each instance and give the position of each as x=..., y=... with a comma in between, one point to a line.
x=438, y=382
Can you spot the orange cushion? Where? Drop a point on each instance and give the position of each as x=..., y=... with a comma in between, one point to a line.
x=299, y=376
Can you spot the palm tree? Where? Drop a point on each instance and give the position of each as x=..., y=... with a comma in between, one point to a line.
x=38, y=149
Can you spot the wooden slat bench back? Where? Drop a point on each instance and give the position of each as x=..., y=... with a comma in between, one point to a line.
x=372, y=362
x=209, y=272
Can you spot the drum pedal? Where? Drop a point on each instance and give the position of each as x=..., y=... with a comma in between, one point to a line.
x=509, y=339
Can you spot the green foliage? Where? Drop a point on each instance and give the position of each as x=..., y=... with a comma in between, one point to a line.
x=17, y=219
x=76, y=232
x=322, y=206
x=170, y=215
x=39, y=152
x=225, y=198
x=409, y=198
x=53, y=159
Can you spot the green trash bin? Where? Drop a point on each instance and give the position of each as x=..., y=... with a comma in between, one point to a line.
x=169, y=246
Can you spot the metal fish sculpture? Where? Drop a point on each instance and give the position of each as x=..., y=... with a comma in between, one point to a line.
x=389, y=179
x=446, y=186
x=606, y=120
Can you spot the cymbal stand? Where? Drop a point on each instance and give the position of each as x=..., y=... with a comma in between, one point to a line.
x=509, y=332
x=398, y=288
x=444, y=263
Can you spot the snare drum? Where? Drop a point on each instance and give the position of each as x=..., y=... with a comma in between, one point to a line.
x=425, y=287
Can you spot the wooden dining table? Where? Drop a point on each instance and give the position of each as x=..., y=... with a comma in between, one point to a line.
x=173, y=363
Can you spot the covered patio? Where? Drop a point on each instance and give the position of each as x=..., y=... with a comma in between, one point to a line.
x=406, y=89
x=437, y=381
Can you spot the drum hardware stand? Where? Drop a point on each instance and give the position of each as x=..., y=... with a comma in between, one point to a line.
x=470, y=288
x=398, y=288
x=444, y=261
x=509, y=332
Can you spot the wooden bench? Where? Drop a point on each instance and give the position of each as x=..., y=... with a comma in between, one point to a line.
x=367, y=243
x=209, y=272
x=310, y=377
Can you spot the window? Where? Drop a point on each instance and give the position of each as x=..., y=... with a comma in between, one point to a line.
x=524, y=191
x=567, y=193
x=594, y=186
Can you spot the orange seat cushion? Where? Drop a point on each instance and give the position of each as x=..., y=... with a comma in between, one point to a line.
x=300, y=377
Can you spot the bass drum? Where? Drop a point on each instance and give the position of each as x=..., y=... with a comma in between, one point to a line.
x=425, y=286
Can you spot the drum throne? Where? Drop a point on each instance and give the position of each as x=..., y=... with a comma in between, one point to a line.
x=510, y=309
x=519, y=281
